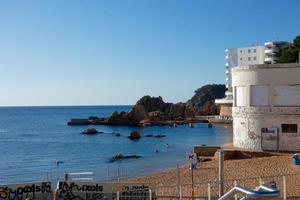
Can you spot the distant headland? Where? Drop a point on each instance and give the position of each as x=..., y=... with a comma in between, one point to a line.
x=150, y=111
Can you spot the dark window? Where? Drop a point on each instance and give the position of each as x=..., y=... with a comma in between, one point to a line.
x=249, y=58
x=254, y=58
x=254, y=50
x=249, y=50
x=241, y=51
x=289, y=128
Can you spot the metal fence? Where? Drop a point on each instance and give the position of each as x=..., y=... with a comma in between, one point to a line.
x=289, y=187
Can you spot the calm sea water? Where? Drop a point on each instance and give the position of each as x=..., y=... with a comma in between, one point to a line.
x=32, y=139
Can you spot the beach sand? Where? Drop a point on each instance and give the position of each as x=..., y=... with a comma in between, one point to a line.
x=246, y=171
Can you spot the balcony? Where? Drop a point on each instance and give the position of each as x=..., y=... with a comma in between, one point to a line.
x=226, y=57
x=227, y=64
x=268, y=59
x=271, y=51
x=227, y=71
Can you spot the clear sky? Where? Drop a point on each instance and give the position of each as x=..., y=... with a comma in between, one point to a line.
x=76, y=52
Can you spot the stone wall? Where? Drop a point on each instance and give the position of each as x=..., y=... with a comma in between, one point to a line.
x=248, y=124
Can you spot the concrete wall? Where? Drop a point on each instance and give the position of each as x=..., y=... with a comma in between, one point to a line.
x=248, y=120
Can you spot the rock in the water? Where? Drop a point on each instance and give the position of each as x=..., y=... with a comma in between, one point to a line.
x=90, y=131
x=134, y=135
x=148, y=135
x=160, y=136
x=79, y=122
x=122, y=157
x=118, y=135
x=93, y=117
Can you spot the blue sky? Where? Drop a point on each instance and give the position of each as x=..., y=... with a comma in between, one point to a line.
x=110, y=52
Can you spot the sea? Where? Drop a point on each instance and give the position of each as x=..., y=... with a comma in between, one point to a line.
x=37, y=144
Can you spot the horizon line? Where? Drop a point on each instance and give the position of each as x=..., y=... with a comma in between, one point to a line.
x=75, y=105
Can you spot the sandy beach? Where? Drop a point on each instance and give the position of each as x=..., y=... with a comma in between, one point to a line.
x=247, y=172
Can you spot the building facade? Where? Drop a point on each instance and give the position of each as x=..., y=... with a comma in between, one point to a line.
x=266, y=107
x=246, y=56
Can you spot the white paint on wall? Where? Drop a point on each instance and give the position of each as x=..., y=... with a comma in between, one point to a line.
x=266, y=96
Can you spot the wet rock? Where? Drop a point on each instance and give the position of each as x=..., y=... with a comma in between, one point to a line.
x=159, y=136
x=124, y=157
x=79, y=122
x=134, y=135
x=90, y=131
x=148, y=135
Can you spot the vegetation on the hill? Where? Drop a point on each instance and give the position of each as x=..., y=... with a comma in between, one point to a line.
x=291, y=53
x=207, y=93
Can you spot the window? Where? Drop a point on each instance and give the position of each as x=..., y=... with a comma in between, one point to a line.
x=241, y=51
x=241, y=59
x=249, y=58
x=254, y=50
x=254, y=58
x=285, y=95
x=289, y=128
x=249, y=50
x=259, y=95
x=240, y=96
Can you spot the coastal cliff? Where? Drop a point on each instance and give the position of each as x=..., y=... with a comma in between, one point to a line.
x=154, y=111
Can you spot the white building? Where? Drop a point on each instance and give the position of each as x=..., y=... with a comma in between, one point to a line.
x=266, y=107
x=246, y=56
x=271, y=48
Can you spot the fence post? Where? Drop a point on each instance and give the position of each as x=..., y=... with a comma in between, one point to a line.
x=235, y=196
x=118, y=195
x=192, y=182
x=178, y=180
x=150, y=194
x=208, y=191
x=180, y=193
x=220, y=171
x=284, y=188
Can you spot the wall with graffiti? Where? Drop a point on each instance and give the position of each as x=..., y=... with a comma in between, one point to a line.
x=26, y=191
x=68, y=190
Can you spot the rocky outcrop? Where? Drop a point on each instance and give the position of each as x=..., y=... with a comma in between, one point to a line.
x=154, y=111
x=137, y=114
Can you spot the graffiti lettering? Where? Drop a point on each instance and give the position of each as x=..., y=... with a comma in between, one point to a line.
x=80, y=191
x=26, y=191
